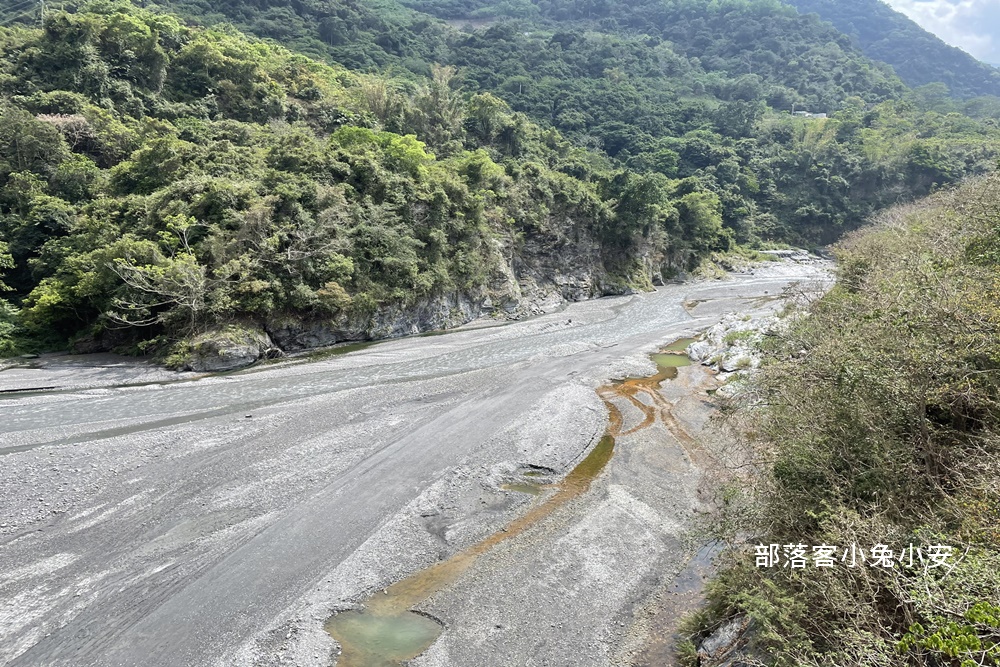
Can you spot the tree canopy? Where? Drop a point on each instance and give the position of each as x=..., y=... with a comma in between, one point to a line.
x=159, y=176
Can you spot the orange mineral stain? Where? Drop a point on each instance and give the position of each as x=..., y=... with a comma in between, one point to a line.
x=387, y=632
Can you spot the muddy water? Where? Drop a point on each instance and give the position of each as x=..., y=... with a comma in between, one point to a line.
x=643, y=393
x=523, y=487
x=382, y=640
x=684, y=596
x=386, y=632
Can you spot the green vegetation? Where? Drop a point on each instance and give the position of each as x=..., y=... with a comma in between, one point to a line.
x=706, y=90
x=918, y=57
x=8, y=325
x=876, y=421
x=358, y=34
x=766, y=43
x=156, y=180
x=679, y=87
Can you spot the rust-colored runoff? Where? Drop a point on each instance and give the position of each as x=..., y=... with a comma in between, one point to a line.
x=387, y=632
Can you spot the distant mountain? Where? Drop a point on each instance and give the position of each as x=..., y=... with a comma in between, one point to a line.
x=917, y=56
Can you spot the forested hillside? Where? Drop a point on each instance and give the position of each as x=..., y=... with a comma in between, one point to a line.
x=159, y=179
x=678, y=88
x=919, y=57
x=689, y=88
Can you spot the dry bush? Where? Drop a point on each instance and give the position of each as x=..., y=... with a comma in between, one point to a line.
x=877, y=421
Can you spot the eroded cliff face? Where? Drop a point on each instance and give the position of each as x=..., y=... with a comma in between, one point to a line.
x=530, y=277
x=527, y=276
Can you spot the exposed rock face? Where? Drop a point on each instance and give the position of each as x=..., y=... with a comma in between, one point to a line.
x=227, y=350
x=527, y=275
x=539, y=277
x=443, y=311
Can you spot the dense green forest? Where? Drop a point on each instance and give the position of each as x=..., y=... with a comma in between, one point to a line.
x=683, y=88
x=875, y=420
x=158, y=178
x=919, y=57
x=778, y=176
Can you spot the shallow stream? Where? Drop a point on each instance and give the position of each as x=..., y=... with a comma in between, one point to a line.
x=388, y=632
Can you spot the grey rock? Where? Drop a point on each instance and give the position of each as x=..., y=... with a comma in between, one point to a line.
x=700, y=350
x=441, y=311
x=294, y=334
x=731, y=363
x=227, y=350
x=725, y=647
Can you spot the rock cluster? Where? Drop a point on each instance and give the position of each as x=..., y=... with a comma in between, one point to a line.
x=227, y=349
x=732, y=345
x=796, y=255
x=727, y=646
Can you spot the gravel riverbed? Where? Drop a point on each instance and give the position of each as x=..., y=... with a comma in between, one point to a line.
x=222, y=520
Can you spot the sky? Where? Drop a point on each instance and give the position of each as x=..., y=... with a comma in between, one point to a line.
x=972, y=25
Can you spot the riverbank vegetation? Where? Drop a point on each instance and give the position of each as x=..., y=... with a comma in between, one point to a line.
x=876, y=421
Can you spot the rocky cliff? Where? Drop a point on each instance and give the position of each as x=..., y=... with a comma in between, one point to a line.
x=527, y=277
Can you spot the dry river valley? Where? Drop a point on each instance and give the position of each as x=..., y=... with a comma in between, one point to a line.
x=489, y=495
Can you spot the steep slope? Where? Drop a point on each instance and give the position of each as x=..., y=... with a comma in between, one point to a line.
x=704, y=90
x=917, y=56
x=185, y=177
x=797, y=59
x=358, y=34
x=876, y=421
x=158, y=180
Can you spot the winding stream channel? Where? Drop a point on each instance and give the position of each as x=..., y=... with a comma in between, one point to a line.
x=387, y=631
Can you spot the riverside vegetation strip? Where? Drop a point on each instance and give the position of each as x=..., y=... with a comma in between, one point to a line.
x=876, y=421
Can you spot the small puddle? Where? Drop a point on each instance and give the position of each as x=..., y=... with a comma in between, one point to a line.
x=376, y=640
x=386, y=632
x=670, y=360
x=525, y=487
x=679, y=345
x=684, y=596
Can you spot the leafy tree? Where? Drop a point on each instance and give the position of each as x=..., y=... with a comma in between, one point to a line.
x=8, y=326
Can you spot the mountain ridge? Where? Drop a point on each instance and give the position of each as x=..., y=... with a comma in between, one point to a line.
x=916, y=54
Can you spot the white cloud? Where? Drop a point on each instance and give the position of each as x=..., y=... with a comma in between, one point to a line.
x=973, y=25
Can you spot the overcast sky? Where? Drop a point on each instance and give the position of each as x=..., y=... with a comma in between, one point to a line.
x=973, y=25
